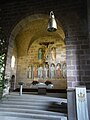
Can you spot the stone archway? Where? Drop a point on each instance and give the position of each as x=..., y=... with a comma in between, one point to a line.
x=31, y=30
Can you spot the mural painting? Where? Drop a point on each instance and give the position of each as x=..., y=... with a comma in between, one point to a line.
x=47, y=71
x=64, y=70
x=53, y=53
x=35, y=71
x=49, y=66
x=40, y=55
x=40, y=71
x=58, y=70
x=29, y=72
x=52, y=71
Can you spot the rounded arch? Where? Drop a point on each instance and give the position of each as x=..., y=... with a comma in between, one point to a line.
x=37, y=25
x=33, y=29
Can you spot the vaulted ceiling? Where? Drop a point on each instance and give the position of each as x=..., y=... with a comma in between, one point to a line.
x=33, y=30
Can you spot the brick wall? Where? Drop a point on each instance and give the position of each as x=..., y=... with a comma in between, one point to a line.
x=73, y=17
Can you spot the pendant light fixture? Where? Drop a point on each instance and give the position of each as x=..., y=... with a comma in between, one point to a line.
x=52, y=25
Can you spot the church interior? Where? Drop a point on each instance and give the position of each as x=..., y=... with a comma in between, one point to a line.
x=35, y=47
x=45, y=47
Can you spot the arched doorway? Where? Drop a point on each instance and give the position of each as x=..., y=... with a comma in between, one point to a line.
x=28, y=39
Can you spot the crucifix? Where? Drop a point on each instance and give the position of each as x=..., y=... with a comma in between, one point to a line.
x=46, y=49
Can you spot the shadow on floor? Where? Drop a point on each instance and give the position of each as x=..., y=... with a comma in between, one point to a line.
x=57, y=107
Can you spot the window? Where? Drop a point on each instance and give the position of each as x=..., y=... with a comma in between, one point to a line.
x=13, y=62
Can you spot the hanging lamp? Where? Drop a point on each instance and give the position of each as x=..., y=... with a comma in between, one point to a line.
x=52, y=25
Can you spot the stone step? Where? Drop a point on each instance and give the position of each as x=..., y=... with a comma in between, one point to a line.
x=33, y=107
x=31, y=111
x=33, y=116
x=55, y=110
x=25, y=103
x=33, y=99
x=23, y=106
x=34, y=102
x=40, y=97
x=28, y=101
x=17, y=118
x=36, y=105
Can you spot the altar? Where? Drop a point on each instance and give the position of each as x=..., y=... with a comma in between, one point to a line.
x=57, y=84
x=36, y=85
x=42, y=87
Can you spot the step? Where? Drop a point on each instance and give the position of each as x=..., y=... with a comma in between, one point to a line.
x=16, y=118
x=20, y=110
x=30, y=106
x=23, y=106
x=38, y=116
x=33, y=99
x=33, y=107
x=30, y=103
x=25, y=103
x=40, y=97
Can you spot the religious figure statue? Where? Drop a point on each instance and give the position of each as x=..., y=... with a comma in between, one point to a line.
x=58, y=70
x=52, y=71
x=53, y=53
x=40, y=72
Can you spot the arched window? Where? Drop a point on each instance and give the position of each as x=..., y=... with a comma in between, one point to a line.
x=13, y=62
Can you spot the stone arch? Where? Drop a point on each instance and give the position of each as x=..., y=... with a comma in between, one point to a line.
x=24, y=23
